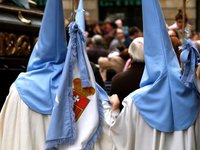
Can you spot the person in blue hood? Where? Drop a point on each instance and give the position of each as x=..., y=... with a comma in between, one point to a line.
x=164, y=112
x=56, y=103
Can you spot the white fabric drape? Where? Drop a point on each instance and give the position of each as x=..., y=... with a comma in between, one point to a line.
x=21, y=128
x=24, y=129
x=130, y=132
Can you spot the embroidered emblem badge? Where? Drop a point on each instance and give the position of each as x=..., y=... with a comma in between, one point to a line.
x=80, y=97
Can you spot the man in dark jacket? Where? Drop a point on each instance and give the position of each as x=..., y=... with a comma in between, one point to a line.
x=126, y=82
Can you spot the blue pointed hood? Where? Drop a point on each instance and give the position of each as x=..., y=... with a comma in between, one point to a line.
x=37, y=87
x=80, y=17
x=164, y=102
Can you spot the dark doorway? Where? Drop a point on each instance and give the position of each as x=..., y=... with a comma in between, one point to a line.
x=130, y=11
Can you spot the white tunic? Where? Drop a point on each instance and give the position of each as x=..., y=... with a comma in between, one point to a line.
x=131, y=132
x=23, y=129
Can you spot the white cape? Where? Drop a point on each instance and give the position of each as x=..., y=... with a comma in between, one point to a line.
x=131, y=132
x=23, y=129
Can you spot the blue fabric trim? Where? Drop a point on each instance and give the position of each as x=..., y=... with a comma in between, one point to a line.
x=53, y=144
x=62, y=128
x=80, y=41
x=189, y=57
x=63, y=110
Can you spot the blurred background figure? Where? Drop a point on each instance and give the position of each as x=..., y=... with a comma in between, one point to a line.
x=93, y=29
x=181, y=24
x=134, y=32
x=178, y=24
x=176, y=42
x=195, y=36
x=108, y=31
x=119, y=23
x=96, y=49
x=110, y=73
x=97, y=75
x=197, y=43
x=125, y=82
x=173, y=33
x=117, y=44
x=113, y=61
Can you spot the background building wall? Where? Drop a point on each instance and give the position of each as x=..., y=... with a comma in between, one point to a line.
x=169, y=7
x=198, y=15
x=90, y=6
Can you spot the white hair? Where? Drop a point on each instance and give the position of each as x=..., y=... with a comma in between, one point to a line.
x=97, y=39
x=136, y=49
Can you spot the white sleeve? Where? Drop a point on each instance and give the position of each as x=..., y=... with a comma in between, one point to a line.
x=105, y=141
x=110, y=116
x=123, y=129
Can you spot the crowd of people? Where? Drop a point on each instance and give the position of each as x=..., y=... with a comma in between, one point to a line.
x=109, y=48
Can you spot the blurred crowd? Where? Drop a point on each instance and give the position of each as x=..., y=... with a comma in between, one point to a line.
x=116, y=54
